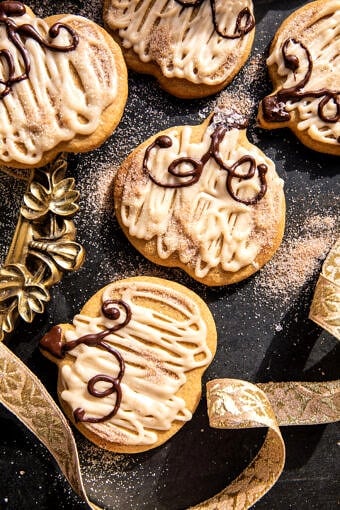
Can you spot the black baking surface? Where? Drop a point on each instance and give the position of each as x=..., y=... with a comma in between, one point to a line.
x=262, y=337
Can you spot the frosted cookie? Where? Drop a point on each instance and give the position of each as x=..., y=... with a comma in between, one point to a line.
x=204, y=199
x=130, y=365
x=194, y=48
x=304, y=68
x=63, y=85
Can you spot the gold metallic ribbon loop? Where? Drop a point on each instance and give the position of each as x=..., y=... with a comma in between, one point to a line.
x=325, y=308
x=231, y=404
x=237, y=404
x=25, y=396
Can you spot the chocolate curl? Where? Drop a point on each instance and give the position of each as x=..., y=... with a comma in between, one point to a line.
x=231, y=404
x=325, y=308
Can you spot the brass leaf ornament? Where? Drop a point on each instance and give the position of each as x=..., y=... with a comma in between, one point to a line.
x=43, y=246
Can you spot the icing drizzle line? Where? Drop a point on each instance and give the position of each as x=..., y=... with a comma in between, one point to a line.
x=193, y=175
x=274, y=106
x=245, y=21
x=15, y=34
x=53, y=343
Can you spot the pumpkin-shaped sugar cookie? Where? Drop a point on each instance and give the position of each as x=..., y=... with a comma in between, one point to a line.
x=305, y=70
x=193, y=47
x=204, y=199
x=130, y=365
x=63, y=85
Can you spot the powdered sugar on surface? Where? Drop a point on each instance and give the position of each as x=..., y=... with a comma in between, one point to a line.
x=298, y=259
x=262, y=323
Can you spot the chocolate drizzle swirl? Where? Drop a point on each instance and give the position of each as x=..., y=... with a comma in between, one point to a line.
x=193, y=175
x=15, y=34
x=274, y=105
x=53, y=343
x=245, y=21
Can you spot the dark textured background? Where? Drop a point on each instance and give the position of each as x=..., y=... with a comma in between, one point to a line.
x=262, y=337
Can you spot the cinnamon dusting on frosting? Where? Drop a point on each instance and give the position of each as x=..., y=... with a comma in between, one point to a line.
x=172, y=34
x=304, y=61
x=66, y=94
x=199, y=197
x=165, y=338
x=18, y=33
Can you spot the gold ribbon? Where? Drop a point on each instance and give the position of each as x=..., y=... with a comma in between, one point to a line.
x=325, y=308
x=231, y=404
x=22, y=393
x=235, y=404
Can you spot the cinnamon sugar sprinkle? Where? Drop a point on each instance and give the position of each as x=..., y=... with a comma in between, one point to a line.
x=244, y=96
x=298, y=259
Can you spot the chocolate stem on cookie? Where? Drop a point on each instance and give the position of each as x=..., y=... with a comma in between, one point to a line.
x=274, y=106
x=15, y=34
x=198, y=165
x=303, y=67
x=245, y=21
x=157, y=351
x=54, y=339
x=202, y=198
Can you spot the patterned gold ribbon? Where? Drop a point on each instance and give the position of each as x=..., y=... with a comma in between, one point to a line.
x=231, y=404
x=235, y=404
x=25, y=396
x=325, y=308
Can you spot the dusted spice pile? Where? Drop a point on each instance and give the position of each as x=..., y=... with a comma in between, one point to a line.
x=89, y=9
x=262, y=323
x=298, y=259
x=243, y=97
x=105, y=472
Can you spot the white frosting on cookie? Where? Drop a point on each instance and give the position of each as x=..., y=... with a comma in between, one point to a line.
x=318, y=29
x=182, y=40
x=165, y=338
x=202, y=224
x=64, y=95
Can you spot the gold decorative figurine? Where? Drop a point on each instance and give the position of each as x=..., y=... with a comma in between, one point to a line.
x=43, y=245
